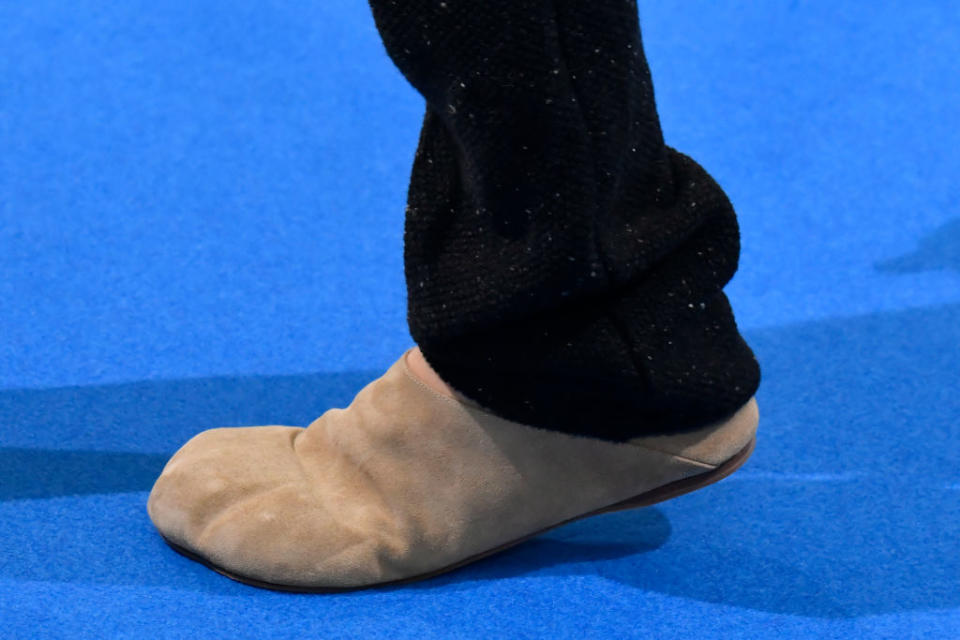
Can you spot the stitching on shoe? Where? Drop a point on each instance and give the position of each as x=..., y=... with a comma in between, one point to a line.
x=674, y=455
x=423, y=385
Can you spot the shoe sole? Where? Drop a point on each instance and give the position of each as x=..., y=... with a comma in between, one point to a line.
x=660, y=494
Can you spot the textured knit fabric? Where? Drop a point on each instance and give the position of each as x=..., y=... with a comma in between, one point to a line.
x=564, y=266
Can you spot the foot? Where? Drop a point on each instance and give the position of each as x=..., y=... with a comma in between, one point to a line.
x=408, y=482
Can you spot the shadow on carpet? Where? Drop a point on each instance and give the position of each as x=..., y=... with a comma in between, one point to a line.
x=938, y=251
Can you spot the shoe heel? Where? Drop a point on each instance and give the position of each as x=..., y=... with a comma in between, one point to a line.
x=685, y=485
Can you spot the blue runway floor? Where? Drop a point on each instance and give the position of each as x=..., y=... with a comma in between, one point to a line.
x=201, y=217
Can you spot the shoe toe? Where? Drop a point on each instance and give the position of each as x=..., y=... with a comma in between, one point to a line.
x=285, y=537
x=239, y=499
x=210, y=473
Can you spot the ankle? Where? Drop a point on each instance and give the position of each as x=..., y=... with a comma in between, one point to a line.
x=422, y=370
x=419, y=367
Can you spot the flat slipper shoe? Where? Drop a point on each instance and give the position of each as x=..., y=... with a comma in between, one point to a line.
x=407, y=483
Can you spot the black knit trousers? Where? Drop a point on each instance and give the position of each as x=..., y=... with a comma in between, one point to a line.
x=564, y=266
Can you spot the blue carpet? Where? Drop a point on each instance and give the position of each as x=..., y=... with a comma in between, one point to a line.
x=201, y=216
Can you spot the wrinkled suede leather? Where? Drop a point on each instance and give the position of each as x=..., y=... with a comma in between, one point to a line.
x=403, y=482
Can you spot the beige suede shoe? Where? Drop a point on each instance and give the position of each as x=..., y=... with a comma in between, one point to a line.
x=407, y=483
